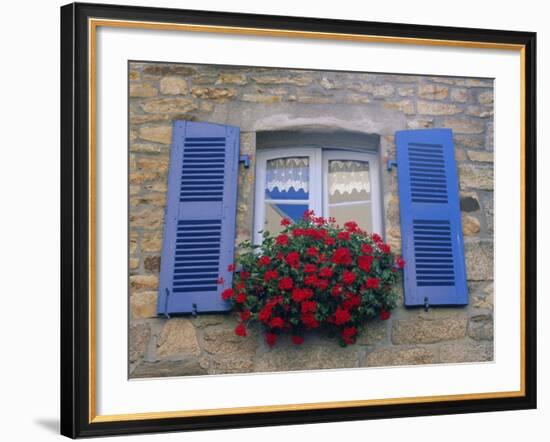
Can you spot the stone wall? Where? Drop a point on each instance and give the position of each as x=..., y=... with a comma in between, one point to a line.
x=256, y=100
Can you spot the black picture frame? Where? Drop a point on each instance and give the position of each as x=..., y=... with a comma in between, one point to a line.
x=76, y=403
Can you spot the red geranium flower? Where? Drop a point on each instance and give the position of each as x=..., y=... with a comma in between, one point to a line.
x=277, y=322
x=245, y=315
x=240, y=330
x=311, y=280
x=366, y=248
x=330, y=241
x=220, y=280
x=270, y=339
x=322, y=284
x=312, y=251
x=365, y=262
x=271, y=274
x=299, y=294
x=297, y=232
x=231, y=268
x=384, y=315
x=241, y=298
x=285, y=222
x=308, y=307
x=376, y=238
x=310, y=268
x=293, y=259
x=351, y=226
x=348, y=277
x=227, y=294
x=348, y=335
x=297, y=340
x=282, y=239
x=341, y=316
x=351, y=301
x=373, y=283
x=264, y=260
x=265, y=313
x=337, y=290
x=286, y=283
x=343, y=236
x=385, y=248
x=341, y=256
x=400, y=262
x=309, y=320
x=325, y=272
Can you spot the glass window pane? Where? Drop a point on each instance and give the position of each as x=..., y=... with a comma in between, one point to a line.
x=360, y=213
x=274, y=213
x=348, y=181
x=287, y=178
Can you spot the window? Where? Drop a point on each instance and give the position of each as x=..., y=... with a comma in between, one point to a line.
x=338, y=183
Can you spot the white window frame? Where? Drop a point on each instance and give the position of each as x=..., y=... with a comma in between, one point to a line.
x=318, y=164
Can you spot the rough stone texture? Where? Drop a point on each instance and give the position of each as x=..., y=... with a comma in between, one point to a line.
x=143, y=305
x=436, y=108
x=480, y=327
x=422, y=331
x=139, y=282
x=159, y=369
x=169, y=105
x=173, y=86
x=476, y=177
x=433, y=92
x=385, y=357
x=482, y=298
x=470, y=225
x=142, y=90
x=479, y=260
x=177, y=337
x=374, y=333
x=260, y=99
x=485, y=157
x=466, y=351
x=139, y=338
x=318, y=354
x=158, y=134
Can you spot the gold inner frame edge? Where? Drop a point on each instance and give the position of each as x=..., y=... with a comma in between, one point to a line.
x=93, y=24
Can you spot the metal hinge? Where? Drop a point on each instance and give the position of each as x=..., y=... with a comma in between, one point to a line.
x=426, y=304
x=391, y=164
x=166, y=303
x=245, y=159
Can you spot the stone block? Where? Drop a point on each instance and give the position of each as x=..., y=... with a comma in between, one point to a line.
x=386, y=357
x=178, y=337
x=424, y=331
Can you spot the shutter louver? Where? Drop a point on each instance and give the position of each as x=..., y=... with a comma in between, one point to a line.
x=431, y=227
x=199, y=228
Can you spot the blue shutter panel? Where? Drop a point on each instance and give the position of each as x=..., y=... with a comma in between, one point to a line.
x=199, y=227
x=431, y=226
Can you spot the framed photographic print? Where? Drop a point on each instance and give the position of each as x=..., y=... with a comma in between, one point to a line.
x=278, y=220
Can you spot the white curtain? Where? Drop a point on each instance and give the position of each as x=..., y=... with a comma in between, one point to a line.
x=348, y=176
x=285, y=173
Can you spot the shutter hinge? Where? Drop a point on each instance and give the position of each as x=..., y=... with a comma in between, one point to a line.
x=194, y=311
x=426, y=304
x=391, y=164
x=166, y=303
x=245, y=159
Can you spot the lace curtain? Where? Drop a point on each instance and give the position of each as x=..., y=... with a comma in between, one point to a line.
x=287, y=173
x=348, y=176
x=345, y=176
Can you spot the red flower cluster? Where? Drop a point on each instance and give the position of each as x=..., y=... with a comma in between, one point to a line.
x=314, y=275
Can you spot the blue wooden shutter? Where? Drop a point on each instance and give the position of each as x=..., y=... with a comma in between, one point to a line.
x=431, y=226
x=199, y=228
